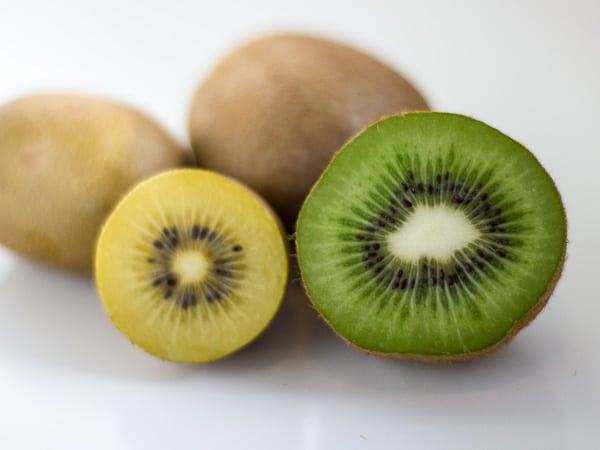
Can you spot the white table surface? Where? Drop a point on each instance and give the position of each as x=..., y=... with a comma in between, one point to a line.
x=69, y=380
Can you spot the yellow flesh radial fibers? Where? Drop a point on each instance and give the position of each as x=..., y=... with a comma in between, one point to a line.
x=208, y=330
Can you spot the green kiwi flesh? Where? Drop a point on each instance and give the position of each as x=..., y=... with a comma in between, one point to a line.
x=431, y=236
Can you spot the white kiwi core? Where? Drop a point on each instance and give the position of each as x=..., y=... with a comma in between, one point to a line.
x=432, y=232
x=191, y=266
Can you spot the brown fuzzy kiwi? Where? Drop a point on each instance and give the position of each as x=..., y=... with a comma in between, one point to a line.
x=273, y=113
x=65, y=160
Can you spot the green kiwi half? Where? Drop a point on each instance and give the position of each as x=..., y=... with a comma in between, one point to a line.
x=431, y=236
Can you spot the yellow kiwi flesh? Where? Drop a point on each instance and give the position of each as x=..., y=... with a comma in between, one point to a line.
x=273, y=112
x=65, y=160
x=191, y=265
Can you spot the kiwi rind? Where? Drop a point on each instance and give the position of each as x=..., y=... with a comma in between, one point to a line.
x=273, y=112
x=66, y=159
x=182, y=185
x=436, y=358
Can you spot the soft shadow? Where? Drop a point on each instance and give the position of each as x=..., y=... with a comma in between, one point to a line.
x=55, y=319
x=287, y=341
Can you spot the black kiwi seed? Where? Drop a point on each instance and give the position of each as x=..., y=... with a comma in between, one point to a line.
x=171, y=280
x=223, y=272
x=195, y=232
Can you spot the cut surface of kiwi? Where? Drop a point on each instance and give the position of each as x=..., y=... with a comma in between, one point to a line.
x=431, y=236
x=191, y=265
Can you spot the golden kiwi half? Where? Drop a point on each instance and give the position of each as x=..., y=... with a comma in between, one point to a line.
x=191, y=265
x=65, y=160
x=273, y=113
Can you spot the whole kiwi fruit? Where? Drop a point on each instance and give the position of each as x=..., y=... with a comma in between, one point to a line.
x=431, y=236
x=273, y=113
x=65, y=160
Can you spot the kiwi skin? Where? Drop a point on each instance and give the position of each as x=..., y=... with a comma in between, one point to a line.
x=445, y=358
x=273, y=113
x=65, y=160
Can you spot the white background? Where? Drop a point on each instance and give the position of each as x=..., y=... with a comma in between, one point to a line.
x=69, y=380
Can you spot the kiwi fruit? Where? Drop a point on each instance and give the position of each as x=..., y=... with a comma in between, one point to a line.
x=273, y=113
x=65, y=160
x=191, y=265
x=431, y=236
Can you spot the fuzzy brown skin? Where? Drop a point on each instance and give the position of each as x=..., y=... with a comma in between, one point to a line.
x=274, y=112
x=65, y=160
